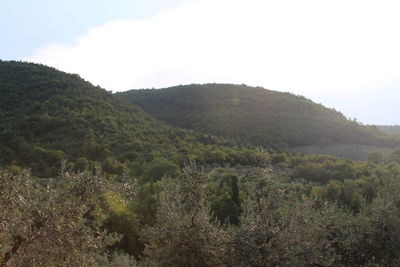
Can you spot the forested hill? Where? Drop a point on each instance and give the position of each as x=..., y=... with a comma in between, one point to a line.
x=254, y=115
x=47, y=116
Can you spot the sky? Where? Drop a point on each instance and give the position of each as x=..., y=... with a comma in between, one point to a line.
x=343, y=54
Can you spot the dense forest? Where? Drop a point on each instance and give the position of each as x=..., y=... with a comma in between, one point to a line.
x=255, y=115
x=90, y=179
x=47, y=116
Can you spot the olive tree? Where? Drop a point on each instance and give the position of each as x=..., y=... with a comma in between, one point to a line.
x=185, y=233
x=279, y=229
x=55, y=222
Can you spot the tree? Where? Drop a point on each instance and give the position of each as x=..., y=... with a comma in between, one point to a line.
x=159, y=168
x=276, y=229
x=51, y=222
x=122, y=220
x=184, y=234
x=226, y=204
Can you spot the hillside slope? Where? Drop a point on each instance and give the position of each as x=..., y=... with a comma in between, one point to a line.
x=254, y=115
x=389, y=129
x=47, y=116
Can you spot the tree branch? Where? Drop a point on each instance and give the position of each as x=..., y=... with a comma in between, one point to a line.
x=18, y=242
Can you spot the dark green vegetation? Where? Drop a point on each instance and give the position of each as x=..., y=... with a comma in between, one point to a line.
x=47, y=116
x=173, y=197
x=255, y=115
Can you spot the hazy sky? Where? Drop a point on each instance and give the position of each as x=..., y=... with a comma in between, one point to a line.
x=343, y=54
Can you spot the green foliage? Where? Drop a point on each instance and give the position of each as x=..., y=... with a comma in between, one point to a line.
x=114, y=260
x=255, y=115
x=159, y=168
x=113, y=166
x=121, y=219
x=183, y=220
x=278, y=230
x=325, y=169
x=183, y=234
x=146, y=203
x=279, y=158
x=278, y=227
x=226, y=202
x=47, y=116
x=350, y=151
x=237, y=211
x=54, y=222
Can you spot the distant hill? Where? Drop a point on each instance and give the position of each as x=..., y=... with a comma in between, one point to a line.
x=47, y=116
x=389, y=129
x=255, y=115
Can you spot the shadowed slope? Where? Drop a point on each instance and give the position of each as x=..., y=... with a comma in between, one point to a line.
x=254, y=115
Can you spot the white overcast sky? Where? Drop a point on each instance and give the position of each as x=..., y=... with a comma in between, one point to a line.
x=343, y=54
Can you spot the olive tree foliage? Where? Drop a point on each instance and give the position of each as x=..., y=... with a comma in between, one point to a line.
x=370, y=237
x=115, y=259
x=52, y=222
x=378, y=239
x=185, y=233
x=277, y=229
